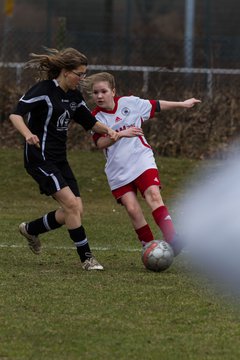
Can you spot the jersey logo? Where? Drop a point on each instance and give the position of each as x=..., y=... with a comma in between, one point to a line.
x=73, y=106
x=125, y=111
x=117, y=119
x=63, y=121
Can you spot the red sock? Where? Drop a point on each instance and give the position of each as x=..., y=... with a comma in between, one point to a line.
x=144, y=234
x=164, y=221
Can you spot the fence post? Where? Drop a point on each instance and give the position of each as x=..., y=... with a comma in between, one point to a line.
x=210, y=83
x=48, y=23
x=145, y=81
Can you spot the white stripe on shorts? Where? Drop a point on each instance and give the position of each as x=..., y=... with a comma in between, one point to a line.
x=53, y=177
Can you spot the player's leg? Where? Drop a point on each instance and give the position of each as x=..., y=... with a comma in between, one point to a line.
x=72, y=207
x=60, y=183
x=149, y=185
x=32, y=229
x=50, y=221
x=49, y=179
x=140, y=225
x=162, y=217
x=160, y=212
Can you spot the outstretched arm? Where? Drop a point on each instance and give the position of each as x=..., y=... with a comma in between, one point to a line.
x=168, y=105
x=104, y=142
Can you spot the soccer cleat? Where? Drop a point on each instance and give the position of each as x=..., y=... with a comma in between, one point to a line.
x=177, y=245
x=33, y=241
x=91, y=264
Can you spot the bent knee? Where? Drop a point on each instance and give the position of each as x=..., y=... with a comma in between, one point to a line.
x=152, y=195
x=133, y=211
x=72, y=206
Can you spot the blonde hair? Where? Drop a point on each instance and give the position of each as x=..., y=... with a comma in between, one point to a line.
x=49, y=65
x=95, y=78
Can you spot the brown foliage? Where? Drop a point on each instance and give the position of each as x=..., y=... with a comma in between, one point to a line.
x=201, y=132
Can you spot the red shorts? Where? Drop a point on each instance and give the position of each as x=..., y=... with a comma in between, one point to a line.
x=147, y=178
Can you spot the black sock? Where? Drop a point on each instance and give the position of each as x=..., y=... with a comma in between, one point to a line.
x=46, y=223
x=80, y=240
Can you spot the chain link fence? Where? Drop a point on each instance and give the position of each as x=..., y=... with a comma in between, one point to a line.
x=136, y=33
x=142, y=43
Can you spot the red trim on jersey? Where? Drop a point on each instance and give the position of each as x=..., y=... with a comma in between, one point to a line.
x=154, y=106
x=144, y=143
x=142, y=140
x=97, y=136
x=98, y=108
x=116, y=99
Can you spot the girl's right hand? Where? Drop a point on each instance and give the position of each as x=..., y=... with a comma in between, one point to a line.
x=32, y=139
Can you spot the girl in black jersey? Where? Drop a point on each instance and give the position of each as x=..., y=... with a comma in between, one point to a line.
x=50, y=105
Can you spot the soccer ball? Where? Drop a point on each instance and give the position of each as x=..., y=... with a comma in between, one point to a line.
x=157, y=255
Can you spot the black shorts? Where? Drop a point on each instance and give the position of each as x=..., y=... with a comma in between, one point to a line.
x=52, y=177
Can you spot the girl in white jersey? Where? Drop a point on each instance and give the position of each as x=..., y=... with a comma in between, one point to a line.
x=130, y=163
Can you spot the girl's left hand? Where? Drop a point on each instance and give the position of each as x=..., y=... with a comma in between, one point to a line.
x=131, y=132
x=190, y=102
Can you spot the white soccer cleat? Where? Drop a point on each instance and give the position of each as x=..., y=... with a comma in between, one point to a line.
x=33, y=241
x=91, y=264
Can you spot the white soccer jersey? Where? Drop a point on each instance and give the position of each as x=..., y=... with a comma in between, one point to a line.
x=128, y=157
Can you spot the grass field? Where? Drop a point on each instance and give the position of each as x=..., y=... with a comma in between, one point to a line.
x=51, y=309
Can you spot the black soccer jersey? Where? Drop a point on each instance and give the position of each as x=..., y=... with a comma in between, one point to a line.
x=49, y=111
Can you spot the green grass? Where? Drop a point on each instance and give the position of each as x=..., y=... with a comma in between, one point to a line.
x=51, y=309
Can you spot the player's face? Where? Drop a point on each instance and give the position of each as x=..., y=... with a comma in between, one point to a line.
x=74, y=77
x=103, y=95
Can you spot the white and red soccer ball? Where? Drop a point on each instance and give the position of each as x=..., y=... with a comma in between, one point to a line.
x=157, y=255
